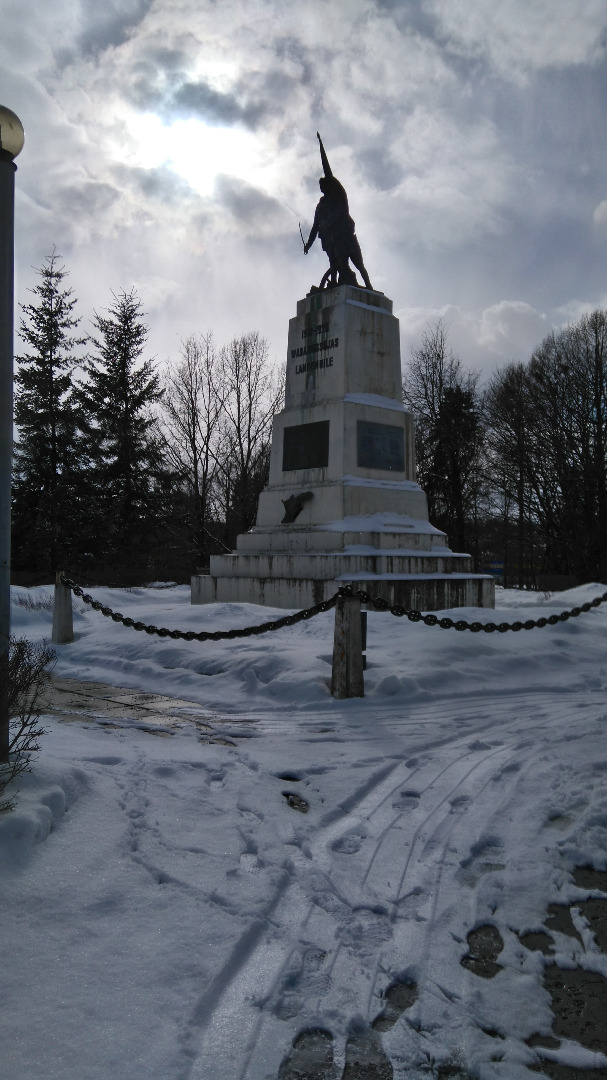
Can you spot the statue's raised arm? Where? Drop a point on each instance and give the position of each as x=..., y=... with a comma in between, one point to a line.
x=324, y=158
x=334, y=226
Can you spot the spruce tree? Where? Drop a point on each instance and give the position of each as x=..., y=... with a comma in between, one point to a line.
x=48, y=454
x=117, y=397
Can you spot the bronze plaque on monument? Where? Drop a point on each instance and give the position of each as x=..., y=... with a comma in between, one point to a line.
x=306, y=446
x=380, y=446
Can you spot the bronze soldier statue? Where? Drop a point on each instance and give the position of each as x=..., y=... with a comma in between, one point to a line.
x=334, y=226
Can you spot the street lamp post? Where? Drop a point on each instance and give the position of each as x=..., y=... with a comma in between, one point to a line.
x=11, y=143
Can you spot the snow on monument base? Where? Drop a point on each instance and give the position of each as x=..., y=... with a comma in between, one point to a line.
x=342, y=504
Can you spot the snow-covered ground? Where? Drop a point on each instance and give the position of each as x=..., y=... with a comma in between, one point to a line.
x=167, y=912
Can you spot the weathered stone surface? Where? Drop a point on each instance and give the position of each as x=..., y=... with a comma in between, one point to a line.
x=343, y=457
x=434, y=594
x=63, y=624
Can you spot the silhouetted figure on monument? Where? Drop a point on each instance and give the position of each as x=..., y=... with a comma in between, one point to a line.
x=334, y=226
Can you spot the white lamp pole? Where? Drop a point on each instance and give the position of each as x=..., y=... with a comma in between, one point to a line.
x=11, y=143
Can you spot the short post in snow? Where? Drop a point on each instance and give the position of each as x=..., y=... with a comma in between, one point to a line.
x=63, y=624
x=347, y=679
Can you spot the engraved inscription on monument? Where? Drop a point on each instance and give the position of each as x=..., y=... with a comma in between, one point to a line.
x=306, y=446
x=380, y=446
x=316, y=345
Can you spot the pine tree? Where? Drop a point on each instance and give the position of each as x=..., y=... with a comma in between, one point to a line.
x=48, y=453
x=117, y=397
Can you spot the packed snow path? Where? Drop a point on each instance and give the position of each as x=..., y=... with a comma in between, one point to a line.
x=236, y=886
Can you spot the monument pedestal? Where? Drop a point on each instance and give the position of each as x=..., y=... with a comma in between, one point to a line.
x=342, y=504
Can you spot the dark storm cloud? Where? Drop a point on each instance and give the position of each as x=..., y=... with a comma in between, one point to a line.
x=108, y=22
x=154, y=77
x=160, y=82
x=560, y=127
x=87, y=201
x=516, y=38
x=288, y=48
x=379, y=169
x=250, y=207
x=411, y=19
x=201, y=100
x=160, y=184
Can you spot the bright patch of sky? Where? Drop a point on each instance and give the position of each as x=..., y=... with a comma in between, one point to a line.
x=197, y=152
x=171, y=146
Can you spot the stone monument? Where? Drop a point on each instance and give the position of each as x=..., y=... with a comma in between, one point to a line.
x=342, y=504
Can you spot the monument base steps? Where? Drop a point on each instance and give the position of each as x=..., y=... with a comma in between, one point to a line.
x=431, y=592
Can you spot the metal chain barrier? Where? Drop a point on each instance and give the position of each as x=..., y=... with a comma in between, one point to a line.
x=308, y=613
x=203, y=635
x=489, y=627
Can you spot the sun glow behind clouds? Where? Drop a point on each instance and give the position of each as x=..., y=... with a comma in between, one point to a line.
x=196, y=152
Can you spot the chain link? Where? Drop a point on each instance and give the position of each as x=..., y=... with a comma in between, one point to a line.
x=308, y=613
x=203, y=635
x=489, y=627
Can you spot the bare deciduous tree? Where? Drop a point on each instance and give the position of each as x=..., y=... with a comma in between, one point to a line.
x=217, y=414
x=252, y=395
x=548, y=438
x=194, y=396
x=449, y=433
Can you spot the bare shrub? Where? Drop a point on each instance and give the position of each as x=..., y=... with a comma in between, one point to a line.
x=38, y=603
x=29, y=671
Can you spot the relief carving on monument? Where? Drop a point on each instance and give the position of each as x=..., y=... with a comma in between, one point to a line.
x=294, y=506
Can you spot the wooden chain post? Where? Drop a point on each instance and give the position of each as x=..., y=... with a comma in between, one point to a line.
x=347, y=679
x=63, y=623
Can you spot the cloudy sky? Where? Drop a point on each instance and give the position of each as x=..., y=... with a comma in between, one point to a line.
x=171, y=147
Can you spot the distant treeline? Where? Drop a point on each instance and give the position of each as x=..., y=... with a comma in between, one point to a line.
x=515, y=472
x=126, y=473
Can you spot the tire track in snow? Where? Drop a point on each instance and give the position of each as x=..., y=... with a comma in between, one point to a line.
x=260, y=973
x=223, y=1036
x=388, y=832
x=227, y=1027
x=230, y=1031
x=514, y=730
x=439, y=862
x=498, y=814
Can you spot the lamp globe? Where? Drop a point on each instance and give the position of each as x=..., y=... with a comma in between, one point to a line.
x=12, y=135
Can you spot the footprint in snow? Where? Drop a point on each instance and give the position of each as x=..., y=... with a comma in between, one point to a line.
x=485, y=944
x=485, y=858
x=296, y=802
x=365, y=1058
x=406, y=800
x=398, y=997
x=310, y=1057
x=348, y=844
